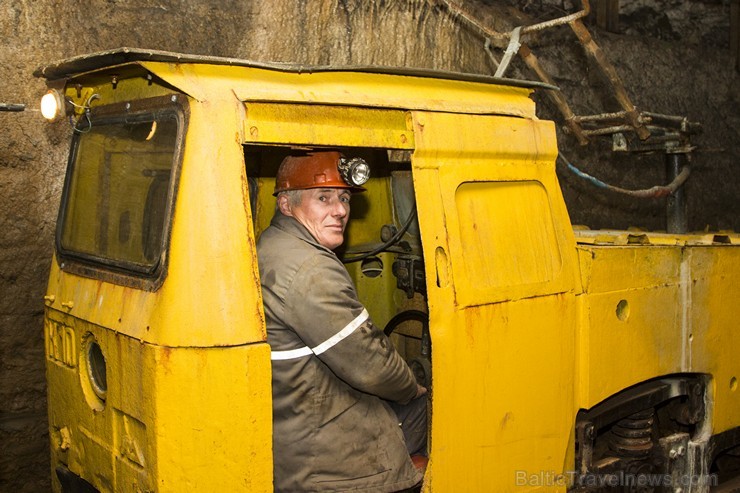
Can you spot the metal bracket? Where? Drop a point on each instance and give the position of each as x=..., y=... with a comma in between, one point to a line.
x=511, y=50
x=675, y=451
x=410, y=276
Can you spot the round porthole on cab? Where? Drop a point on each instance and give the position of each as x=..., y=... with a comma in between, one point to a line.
x=93, y=372
x=96, y=369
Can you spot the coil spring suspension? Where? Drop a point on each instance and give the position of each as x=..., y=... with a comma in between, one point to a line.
x=632, y=436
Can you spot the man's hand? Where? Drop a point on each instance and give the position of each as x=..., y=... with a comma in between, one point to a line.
x=420, y=391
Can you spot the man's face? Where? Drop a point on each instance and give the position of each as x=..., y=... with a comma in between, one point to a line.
x=324, y=212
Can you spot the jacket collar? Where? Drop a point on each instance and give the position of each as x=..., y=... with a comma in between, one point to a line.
x=292, y=227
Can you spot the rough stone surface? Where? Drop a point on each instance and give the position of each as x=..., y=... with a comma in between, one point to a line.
x=674, y=58
x=672, y=55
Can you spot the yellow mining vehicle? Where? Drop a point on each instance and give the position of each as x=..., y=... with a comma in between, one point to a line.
x=558, y=360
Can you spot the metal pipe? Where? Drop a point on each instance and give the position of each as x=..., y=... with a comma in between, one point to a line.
x=602, y=116
x=511, y=50
x=660, y=116
x=679, y=122
x=560, y=20
x=608, y=130
x=657, y=191
x=676, y=218
x=487, y=47
x=12, y=107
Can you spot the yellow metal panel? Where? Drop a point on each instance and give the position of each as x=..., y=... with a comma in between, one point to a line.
x=653, y=311
x=490, y=218
x=630, y=320
x=212, y=253
x=503, y=393
x=497, y=362
x=214, y=417
x=712, y=326
x=369, y=211
x=327, y=125
x=171, y=418
x=345, y=88
x=514, y=150
x=618, y=268
x=633, y=336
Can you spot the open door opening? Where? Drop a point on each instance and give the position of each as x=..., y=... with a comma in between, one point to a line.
x=382, y=250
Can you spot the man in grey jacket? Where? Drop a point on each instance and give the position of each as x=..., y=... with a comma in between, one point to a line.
x=333, y=372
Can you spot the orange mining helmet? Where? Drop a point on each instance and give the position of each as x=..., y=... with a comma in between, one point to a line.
x=325, y=169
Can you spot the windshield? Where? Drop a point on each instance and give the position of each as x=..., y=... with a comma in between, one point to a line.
x=116, y=196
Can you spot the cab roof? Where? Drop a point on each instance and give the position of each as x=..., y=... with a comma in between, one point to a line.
x=79, y=65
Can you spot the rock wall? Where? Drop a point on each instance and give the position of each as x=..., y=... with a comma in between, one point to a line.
x=671, y=67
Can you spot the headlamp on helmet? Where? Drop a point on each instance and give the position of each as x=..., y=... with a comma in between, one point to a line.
x=321, y=169
x=354, y=171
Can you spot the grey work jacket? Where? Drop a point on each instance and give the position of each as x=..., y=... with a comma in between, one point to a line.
x=332, y=369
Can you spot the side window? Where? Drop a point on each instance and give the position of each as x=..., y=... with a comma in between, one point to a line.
x=115, y=199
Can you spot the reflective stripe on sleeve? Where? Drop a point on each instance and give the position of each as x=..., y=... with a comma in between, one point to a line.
x=292, y=354
x=345, y=332
x=324, y=346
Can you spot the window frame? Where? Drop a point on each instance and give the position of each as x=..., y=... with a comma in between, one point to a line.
x=116, y=271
